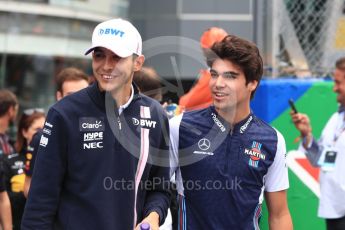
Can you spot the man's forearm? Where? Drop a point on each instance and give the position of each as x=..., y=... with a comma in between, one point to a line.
x=282, y=222
x=5, y=211
x=307, y=139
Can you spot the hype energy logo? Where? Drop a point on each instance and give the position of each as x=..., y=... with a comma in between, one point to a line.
x=255, y=154
x=111, y=31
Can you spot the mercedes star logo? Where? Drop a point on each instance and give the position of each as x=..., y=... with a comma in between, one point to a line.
x=204, y=144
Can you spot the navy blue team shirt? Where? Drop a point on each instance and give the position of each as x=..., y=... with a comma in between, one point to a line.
x=84, y=175
x=224, y=171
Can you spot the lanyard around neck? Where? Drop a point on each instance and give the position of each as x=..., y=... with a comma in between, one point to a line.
x=340, y=131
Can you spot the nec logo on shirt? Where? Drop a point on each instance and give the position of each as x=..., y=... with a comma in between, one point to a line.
x=111, y=31
x=87, y=124
x=145, y=123
x=93, y=145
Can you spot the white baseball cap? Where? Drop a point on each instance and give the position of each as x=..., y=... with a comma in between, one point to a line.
x=117, y=35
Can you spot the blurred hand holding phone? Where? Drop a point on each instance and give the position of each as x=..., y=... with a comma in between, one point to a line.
x=292, y=106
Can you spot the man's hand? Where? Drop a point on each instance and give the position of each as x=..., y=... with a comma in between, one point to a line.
x=302, y=124
x=152, y=219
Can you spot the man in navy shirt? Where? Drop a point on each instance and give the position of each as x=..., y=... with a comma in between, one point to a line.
x=68, y=81
x=99, y=161
x=228, y=158
x=8, y=113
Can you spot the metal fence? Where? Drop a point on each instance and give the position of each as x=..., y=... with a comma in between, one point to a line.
x=311, y=36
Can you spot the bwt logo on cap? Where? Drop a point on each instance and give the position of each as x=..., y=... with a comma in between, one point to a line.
x=111, y=31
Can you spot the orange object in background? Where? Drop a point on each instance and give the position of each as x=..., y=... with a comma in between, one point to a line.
x=212, y=35
x=199, y=96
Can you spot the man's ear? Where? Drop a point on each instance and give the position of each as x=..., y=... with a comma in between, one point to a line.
x=252, y=85
x=12, y=111
x=139, y=62
x=58, y=95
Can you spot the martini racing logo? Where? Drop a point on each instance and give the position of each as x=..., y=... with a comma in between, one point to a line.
x=91, y=124
x=144, y=123
x=255, y=154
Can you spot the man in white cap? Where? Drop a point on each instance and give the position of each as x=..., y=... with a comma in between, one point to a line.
x=101, y=155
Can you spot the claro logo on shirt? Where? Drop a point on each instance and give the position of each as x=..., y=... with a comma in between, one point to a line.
x=90, y=124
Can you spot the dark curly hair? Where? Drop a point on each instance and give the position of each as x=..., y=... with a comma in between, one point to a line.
x=24, y=124
x=242, y=53
x=7, y=99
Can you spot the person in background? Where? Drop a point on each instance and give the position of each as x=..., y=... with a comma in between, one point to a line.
x=68, y=81
x=329, y=154
x=199, y=96
x=8, y=113
x=148, y=83
x=5, y=206
x=30, y=122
